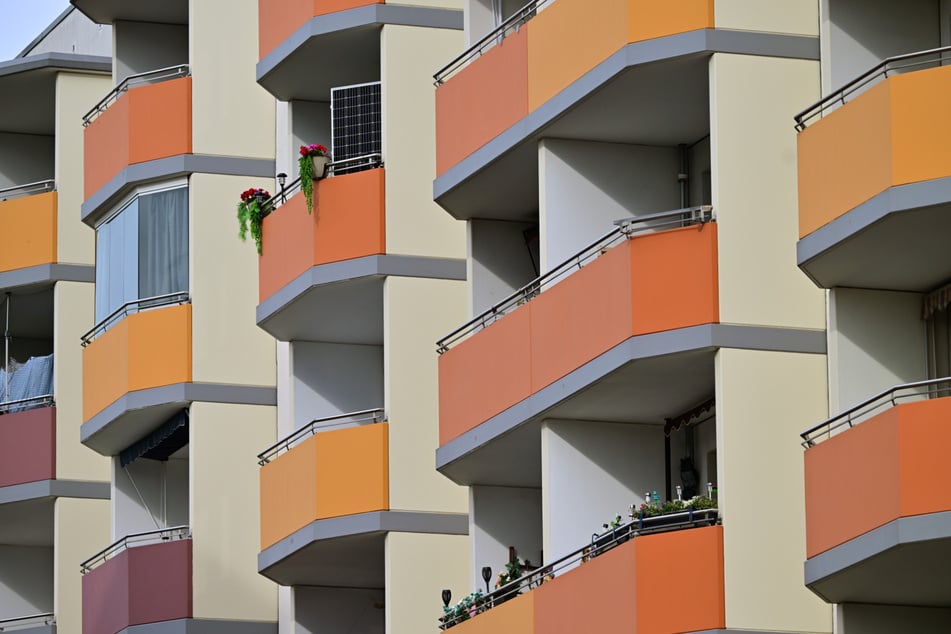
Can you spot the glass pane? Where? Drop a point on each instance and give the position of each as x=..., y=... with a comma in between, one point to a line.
x=163, y=243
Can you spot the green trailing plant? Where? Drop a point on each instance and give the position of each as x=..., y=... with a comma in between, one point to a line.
x=464, y=610
x=251, y=213
x=698, y=503
x=306, y=169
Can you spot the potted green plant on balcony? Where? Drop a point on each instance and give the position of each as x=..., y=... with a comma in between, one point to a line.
x=251, y=212
x=312, y=165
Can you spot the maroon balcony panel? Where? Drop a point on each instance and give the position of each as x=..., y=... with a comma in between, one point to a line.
x=144, y=584
x=28, y=446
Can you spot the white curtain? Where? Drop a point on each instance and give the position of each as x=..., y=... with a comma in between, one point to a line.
x=163, y=243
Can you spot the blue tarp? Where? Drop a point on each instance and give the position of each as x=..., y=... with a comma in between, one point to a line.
x=29, y=380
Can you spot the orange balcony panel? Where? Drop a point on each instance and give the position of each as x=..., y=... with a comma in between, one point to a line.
x=146, y=123
x=516, y=616
x=144, y=350
x=650, y=283
x=331, y=474
x=482, y=100
x=893, y=134
x=897, y=456
x=278, y=19
x=28, y=231
x=348, y=221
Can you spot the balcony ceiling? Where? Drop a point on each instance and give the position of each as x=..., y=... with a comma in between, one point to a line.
x=645, y=391
x=31, y=313
x=663, y=103
x=27, y=100
x=27, y=523
x=355, y=561
x=109, y=11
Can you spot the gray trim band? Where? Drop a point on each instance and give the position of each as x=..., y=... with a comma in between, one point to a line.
x=893, y=200
x=47, y=273
x=176, y=393
x=376, y=15
x=202, y=626
x=904, y=530
x=694, y=338
x=171, y=167
x=369, y=266
x=39, y=629
x=57, y=61
x=55, y=489
x=704, y=41
x=361, y=524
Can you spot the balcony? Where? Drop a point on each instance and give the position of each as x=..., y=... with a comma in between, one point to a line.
x=336, y=467
x=607, y=335
x=146, y=117
x=28, y=229
x=33, y=624
x=142, y=578
x=875, y=508
x=295, y=37
x=625, y=584
x=143, y=346
x=873, y=175
x=27, y=441
x=320, y=274
x=628, y=61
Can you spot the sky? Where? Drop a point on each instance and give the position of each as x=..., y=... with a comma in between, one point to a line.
x=22, y=20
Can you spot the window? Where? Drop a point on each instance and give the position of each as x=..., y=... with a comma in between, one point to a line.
x=142, y=251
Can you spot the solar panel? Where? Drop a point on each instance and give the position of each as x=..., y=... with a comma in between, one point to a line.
x=356, y=124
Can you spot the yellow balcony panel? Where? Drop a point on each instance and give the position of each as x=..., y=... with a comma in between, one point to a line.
x=874, y=508
x=874, y=201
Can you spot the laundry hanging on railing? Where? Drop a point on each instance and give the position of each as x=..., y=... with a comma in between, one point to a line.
x=32, y=379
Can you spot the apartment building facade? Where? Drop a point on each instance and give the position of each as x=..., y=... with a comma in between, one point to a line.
x=53, y=491
x=873, y=197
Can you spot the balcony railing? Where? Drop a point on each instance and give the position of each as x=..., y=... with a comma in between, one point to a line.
x=354, y=164
x=23, y=622
x=919, y=390
x=134, y=306
x=159, y=536
x=599, y=544
x=496, y=36
x=897, y=63
x=24, y=404
x=363, y=417
x=626, y=229
x=19, y=191
x=139, y=79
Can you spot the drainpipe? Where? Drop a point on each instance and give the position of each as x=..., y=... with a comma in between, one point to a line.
x=682, y=177
x=6, y=353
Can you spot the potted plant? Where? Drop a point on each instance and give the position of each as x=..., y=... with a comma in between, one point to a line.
x=615, y=533
x=464, y=610
x=312, y=165
x=251, y=212
x=699, y=509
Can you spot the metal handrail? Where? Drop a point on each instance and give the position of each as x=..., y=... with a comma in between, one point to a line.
x=838, y=97
x=499, y=33
x=46, y=400
x=148, y=77
x=626, y=229
x=371, y=160
x=10, y=625
x=680, y=520
x=29, y=189
x=145, y=303
x=887, y=397
x=366, y=416
x=171, y=533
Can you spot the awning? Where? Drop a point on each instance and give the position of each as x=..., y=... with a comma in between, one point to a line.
x=936, y=301
x=171, y=436
x=692, y=416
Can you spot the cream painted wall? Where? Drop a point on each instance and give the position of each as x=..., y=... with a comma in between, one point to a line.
x=764, y=399
x=80, y=529
x=876, y=340
x=418, y=568
x=583, y=187
x=231, y=114
x=285, y=390
x=414, y=223
x=227, y=345
x=800, y=17
x=72, y=316
x=26, y=581
x=418, y=312
x=225, y=511
x=753, y=147
x=75, y=95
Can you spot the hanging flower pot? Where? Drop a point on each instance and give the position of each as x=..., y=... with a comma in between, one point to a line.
x=320, y=166
x=312, y=165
